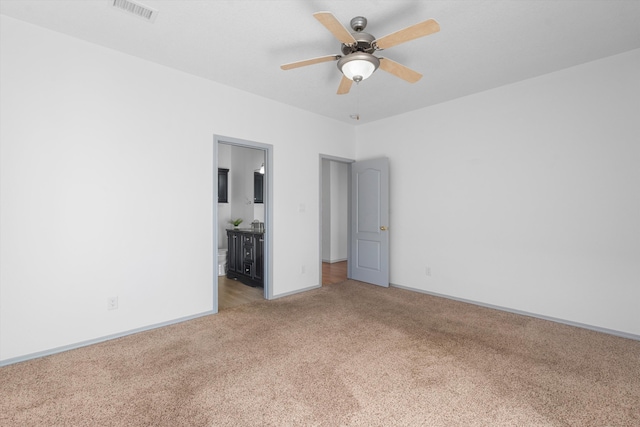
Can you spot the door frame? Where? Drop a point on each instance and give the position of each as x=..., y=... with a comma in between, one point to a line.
x=348, y=162
x=268, y=211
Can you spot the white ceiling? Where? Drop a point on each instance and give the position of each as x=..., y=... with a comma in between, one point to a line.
x=242, y=43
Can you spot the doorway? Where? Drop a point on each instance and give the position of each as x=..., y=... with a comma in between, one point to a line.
x=239, y=162
x=366, y=214
x=334, y=217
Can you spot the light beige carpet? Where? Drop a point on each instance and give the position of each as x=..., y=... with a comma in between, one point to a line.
x=345, y=354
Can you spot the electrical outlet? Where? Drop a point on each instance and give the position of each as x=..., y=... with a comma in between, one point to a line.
x=303, y=269
x=112, y=303
x=427, y=271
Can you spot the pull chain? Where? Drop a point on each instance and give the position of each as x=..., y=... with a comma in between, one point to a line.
x=356, y=116
x=358, y=100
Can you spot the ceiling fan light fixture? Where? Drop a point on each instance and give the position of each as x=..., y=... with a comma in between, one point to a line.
x=358, y=66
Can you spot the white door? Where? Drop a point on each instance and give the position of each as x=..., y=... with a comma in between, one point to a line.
x=369, y=240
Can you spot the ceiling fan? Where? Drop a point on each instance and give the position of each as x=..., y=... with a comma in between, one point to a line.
x=357, y=61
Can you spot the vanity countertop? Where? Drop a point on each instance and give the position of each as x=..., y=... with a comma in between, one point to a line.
x=246, y=230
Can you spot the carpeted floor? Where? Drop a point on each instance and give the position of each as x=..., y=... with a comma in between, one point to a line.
x=345, y=354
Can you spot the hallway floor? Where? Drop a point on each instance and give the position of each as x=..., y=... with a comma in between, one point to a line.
x=334, y=272
x=232, y=293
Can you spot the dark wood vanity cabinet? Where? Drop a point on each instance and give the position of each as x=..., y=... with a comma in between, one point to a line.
x=245, y=256
x=234, y=252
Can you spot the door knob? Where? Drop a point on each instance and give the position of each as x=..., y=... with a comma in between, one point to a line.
x=383, y=228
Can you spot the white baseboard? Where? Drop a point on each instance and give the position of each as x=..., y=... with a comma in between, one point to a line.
x=525, y=313
x=331, y=261
x=286, y=294
x=44, y=353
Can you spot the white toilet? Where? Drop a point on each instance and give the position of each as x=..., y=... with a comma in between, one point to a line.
x=222, y=262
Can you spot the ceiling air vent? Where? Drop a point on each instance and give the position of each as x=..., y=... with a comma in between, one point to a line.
x=137, y=9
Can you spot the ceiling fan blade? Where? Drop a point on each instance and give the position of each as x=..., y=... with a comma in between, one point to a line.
x=345, y=85
x=332, y=24
x=421, y=29
x=399, y=70
x=311, y=61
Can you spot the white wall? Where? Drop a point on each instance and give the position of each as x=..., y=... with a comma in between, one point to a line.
x=525, y=197
x=335, y=210
x=326, y=210
x=339, y=211
x=106, y=189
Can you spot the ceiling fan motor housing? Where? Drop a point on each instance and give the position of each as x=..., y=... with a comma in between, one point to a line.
x=364, y=43
x=358, y=55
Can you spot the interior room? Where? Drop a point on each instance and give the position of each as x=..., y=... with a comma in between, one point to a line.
x=241, y=204
x=335, y=220
x=513, y=172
